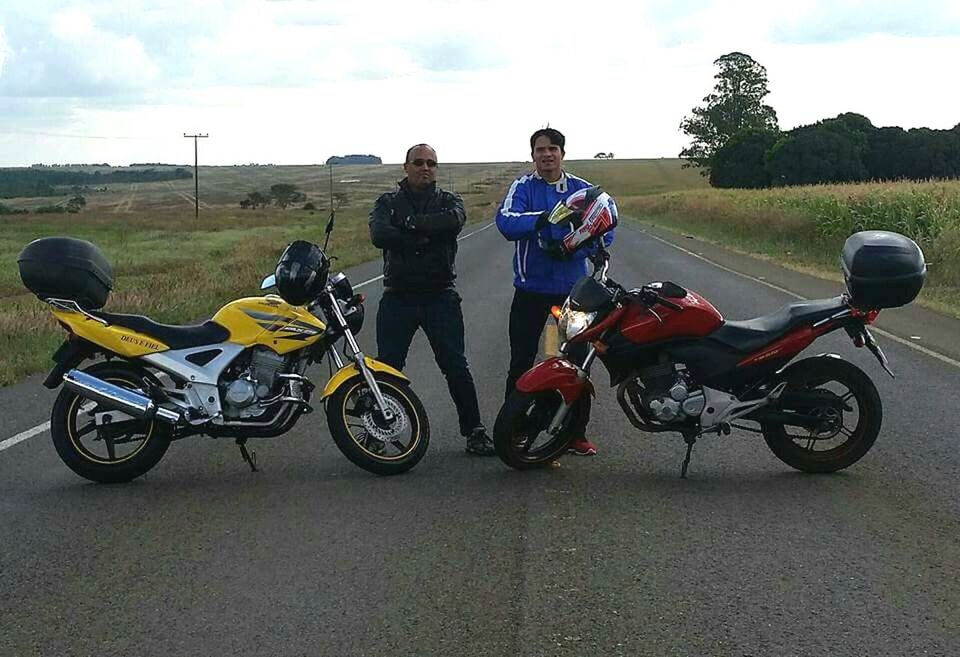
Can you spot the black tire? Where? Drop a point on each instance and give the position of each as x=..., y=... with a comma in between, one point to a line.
x=842, y=446
x=76, y=437
x=351, y=417
x=524, y=417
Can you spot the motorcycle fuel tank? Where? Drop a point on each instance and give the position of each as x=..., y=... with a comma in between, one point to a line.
x=271, y=322
x=697, y=319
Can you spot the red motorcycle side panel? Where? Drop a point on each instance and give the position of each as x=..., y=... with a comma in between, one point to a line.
x=697, y=319
x=788, y=346
x=554, y=374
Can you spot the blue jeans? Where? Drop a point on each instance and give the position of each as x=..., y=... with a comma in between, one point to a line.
x=439, y=315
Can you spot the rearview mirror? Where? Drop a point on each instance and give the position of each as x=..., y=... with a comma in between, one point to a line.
x=268, y=282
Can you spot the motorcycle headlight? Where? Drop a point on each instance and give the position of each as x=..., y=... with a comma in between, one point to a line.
x=573, y=322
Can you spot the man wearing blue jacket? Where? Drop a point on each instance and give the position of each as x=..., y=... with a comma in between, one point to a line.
x=543, y=273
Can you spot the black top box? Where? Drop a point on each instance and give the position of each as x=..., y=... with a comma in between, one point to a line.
x=66, y=268
x=882, y=269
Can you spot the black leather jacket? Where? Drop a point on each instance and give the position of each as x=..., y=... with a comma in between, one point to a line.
x=418, y=235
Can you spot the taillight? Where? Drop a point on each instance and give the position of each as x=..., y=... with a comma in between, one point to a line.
x=555, y=311
x=868, y=317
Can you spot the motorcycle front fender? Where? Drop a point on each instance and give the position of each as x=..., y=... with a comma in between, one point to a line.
x=349, y=371
x=555, y=374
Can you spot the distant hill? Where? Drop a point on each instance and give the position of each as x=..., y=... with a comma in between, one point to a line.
x=354, y=159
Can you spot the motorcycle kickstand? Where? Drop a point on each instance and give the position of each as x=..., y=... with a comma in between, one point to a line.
x=251, y=459
x=690, y=439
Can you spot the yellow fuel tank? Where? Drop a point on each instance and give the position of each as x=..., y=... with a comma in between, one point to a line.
x=271, y=322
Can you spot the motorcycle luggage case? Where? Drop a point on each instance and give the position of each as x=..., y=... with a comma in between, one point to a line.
x=882, y=269
x=66, y=268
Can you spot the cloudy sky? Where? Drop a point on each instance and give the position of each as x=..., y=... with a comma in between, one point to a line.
x=294, y=81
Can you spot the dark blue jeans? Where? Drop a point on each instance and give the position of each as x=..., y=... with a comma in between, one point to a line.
x=439, y=315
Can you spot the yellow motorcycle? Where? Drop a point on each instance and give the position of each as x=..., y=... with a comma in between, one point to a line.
x=240, y=375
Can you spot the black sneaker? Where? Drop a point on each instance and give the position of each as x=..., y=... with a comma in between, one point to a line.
x=479, y=443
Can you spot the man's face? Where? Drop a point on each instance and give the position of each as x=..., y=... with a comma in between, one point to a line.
x=548, y=158
x=421, y=167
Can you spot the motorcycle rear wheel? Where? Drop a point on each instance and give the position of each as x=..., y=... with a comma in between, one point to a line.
x=107, y=455
x=522, y=423
x=836, y=445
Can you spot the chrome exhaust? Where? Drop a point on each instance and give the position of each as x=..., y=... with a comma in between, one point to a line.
x=117, y=398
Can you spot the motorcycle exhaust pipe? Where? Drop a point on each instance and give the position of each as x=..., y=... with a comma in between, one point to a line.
x=117, y=398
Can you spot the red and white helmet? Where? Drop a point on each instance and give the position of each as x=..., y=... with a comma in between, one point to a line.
x=598, y=215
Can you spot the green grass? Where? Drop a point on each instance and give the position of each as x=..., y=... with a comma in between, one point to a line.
x=804, y=227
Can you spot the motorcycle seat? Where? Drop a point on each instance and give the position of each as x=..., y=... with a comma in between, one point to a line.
x=175, y=337
x=749, y=335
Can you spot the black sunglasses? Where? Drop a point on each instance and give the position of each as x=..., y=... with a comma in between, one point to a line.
x=419, y=162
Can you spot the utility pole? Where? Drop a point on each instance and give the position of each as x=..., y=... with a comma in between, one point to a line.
x=196, y=175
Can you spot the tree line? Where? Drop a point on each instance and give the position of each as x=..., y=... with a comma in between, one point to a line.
x=44, y=181
x=737, y=141
x=283, y=195
x=73, y=206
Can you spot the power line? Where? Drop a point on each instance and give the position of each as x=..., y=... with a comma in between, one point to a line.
x=196, y=174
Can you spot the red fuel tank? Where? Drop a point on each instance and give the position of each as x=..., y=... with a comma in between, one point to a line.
x=697, y=319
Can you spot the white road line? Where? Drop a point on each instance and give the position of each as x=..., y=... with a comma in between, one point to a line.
x=30, y=433
x=896, y=338
x=23, y=435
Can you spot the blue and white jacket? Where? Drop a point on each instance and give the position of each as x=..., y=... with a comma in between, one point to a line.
x=534, y=270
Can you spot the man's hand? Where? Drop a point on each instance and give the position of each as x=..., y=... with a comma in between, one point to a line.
x=542, y=221
x=554, y=249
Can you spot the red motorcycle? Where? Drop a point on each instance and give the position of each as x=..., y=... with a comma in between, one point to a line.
x=679, y=367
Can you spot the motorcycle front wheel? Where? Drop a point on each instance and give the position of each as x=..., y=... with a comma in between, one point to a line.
x=520, y=432
x=846, y=433
x=359, y=431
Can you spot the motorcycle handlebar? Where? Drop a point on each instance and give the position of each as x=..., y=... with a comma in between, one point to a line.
x=650, y=297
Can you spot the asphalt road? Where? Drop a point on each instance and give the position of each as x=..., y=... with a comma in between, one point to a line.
x=610, y=555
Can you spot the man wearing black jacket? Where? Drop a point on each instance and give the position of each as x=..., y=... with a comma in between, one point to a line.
x=417, y=227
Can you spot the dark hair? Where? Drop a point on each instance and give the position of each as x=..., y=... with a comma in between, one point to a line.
x=406, y=159
x=555, y=136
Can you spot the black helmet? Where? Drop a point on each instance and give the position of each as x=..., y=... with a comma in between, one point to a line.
x=301, y=272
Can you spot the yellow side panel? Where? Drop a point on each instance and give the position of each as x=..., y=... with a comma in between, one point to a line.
x=271, y=322
x=117, y=339
x=350, y=371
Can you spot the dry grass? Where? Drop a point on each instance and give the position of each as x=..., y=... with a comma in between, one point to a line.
x=177, y=269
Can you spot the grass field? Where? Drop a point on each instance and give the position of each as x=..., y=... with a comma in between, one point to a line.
x=176, y=269
x=804, y=227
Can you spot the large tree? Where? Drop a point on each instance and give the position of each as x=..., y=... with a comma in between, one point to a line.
x=735, y=105
x=742, y=161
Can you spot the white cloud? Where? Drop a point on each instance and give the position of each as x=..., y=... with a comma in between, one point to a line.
x=4, y=49
x=297, y=80
x=68, y=55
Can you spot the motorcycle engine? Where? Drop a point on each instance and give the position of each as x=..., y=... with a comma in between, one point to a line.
x=244, y=386
x=668, y=393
